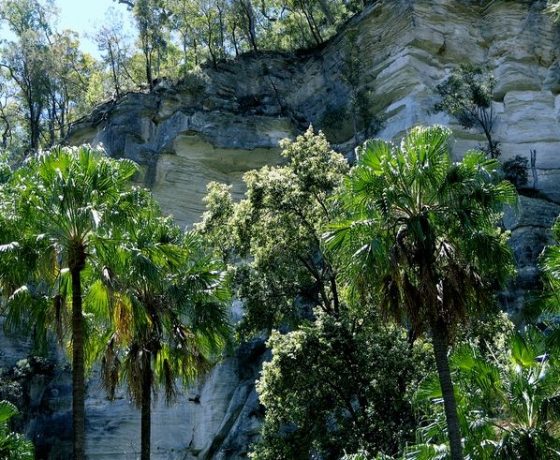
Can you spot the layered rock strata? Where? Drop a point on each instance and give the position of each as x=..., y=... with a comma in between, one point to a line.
x=221, y=122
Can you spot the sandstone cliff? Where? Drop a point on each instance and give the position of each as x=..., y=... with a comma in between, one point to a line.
x=224, y=121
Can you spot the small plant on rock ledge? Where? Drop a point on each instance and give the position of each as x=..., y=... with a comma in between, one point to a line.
x=467, y=96
x=516, y=171
x=364, y=119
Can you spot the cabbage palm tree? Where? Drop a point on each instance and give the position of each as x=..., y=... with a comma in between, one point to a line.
x=68, y=203
x=509, y=405
x=418, y=233
x=12, y=445
x=550, y=265
x=169, y=312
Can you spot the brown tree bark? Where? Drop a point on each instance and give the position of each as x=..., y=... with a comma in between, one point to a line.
x=146, y=421
x=78, y=369
x=439, y=339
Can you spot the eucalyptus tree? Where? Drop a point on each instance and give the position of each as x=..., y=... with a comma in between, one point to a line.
x=185, y=20
x=113, y=44
x=27, y=58
x=69, y=75
x=419, y=233
x=152, y=17
x=168, y=303
x=67, y=205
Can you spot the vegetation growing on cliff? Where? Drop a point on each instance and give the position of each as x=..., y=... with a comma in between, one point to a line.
x=374, y=283
x=322, y=254
x=467, y=95
x=47, y=81
x=89, y=257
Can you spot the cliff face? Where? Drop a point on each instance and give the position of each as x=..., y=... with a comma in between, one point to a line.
x=227, y=120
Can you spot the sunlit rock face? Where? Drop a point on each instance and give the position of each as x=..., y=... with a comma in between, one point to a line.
x=229, y=120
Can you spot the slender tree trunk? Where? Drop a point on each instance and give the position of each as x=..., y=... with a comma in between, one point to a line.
x=149, y=76
x=439, y=336
x=146, y=428
x=33, y=128
x=78, y=379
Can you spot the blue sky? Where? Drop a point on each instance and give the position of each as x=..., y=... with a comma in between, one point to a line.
x=85, y=16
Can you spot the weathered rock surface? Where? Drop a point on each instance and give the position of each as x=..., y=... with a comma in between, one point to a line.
x=217, y=418
x=227, y=120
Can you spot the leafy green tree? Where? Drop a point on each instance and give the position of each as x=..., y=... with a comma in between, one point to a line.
x=151, y=17
x=292, y=24
x=467, y=96
x=26, y=59
x=69, y=72
x=419, y=234
x=277, y=230
x=331, y=374
x=45, y=72
x=244, y=17
x=12, y=446
x=183, y=21
x=338, y=385
x=67, y=203
x=168, y=302
x=115, y=51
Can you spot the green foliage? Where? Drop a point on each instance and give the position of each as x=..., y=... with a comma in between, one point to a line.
x=508, y=402
x=116, y=57
x=151, y=19
x=274, y=233
x=338, y=385
x=64, y=207
x=46, y=75
x=88, y=255
x=553, y=8
x=58, y=201
x=327, y=386
x=409, y=207
x=467, y=96
x=516, y=171
x=216, y=29
x=550, y=266
x=12, y=445
x=167, y=300
x=364, y=119
x=419, y=235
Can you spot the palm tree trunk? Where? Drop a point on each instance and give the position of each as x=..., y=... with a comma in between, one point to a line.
x=439, y=336
x=78, y=379
x=146, y=409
